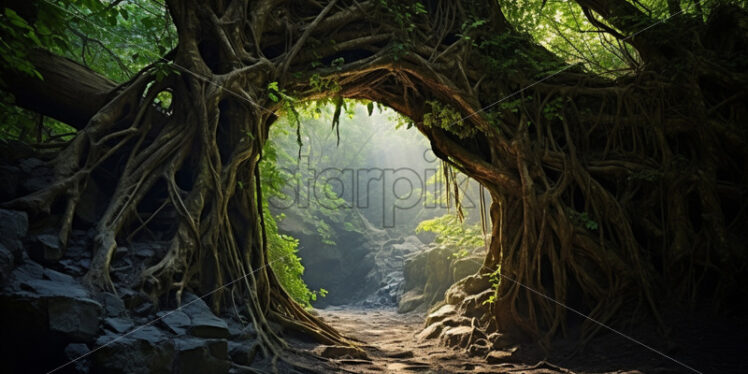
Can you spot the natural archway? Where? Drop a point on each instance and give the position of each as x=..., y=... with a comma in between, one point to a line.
x=613, y=193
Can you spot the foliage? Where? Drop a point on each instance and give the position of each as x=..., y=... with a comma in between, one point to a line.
x=282, y=249
x=455, y=235
x=447, y=118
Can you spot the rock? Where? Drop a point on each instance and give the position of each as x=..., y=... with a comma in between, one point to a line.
x=145, y=350
x=77, y=318
x=465, y=266
x=339, y=351
x=430, y=332
x=14, y=227
x=201, y=355
x=113, y=304
x=46, y=248
x=203, y=323
x=28, y=165
x=10, y=182
x=410, y=301
x=498, y=357
x=119, y=325
x=455, y=294
x=461, y=336
x=56, y=276
x=77, y=352
x=240, y=330
x=443, y=312
x=176, y=321
x=243, y=352
x=6, y=263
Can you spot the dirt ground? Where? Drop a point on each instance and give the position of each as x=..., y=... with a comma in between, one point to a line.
x=392, y=347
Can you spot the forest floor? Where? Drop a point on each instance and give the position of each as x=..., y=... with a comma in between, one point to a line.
x=390, y=342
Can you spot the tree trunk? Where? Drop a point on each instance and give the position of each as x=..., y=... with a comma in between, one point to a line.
x=619, y=192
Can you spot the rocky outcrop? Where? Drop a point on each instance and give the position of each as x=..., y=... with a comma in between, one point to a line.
x=428, y=274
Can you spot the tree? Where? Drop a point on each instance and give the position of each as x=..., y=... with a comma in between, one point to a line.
x=622, y=190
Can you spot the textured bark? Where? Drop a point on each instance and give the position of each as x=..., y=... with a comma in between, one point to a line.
x=69, y=91
x=628, y=193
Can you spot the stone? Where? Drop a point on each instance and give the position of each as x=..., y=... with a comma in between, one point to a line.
x=77, y=352
x=241, y=330
x=77, y=318
x=119, y=325
x=242, y=352
x=443, y=312
x=113, y=304
x=203, y=323
x=461, y=336
x=145, y=350
x=56, y=276
x=498, y=357
x=196, y=355
x=430, y=332
x=6, y=263
x=46, y=248
x=410, y=300
x=465, y=266
x=10, y=182
x=176, y=321
x=28, y=165
x=14, y=227
x=339, y=351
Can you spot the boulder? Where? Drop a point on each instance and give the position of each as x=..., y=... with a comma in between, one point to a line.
x=196, y=355
x=430, y=332
x=113, y=304
x=46, y=248
x=465, y=266
x=203, y=323
x=443, y=312
x=77, y=318
x=119, y=325
x=77, y=352
x=13, y=229
x=410, y=301
x=243, y=352
x=175, y=321
x=461, y=336
x=6, y=263
x=145, y=350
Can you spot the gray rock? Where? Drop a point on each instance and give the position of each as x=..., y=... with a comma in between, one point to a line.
x=242, y=331
x=56, y=276
x=119, y=325
x=77, y=352
x=46, y=248
x=28, y=165
x=196, y=355
x=77, y=318
x=145, y=350
x=243, y=352
x=203, y=323
x=410, y=301
x=176, y=321
x=113, y=305
x=10, y=181
x=6, y=263
x=14, y=227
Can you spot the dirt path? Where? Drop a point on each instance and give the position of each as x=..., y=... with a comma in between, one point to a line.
x=390, y=342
